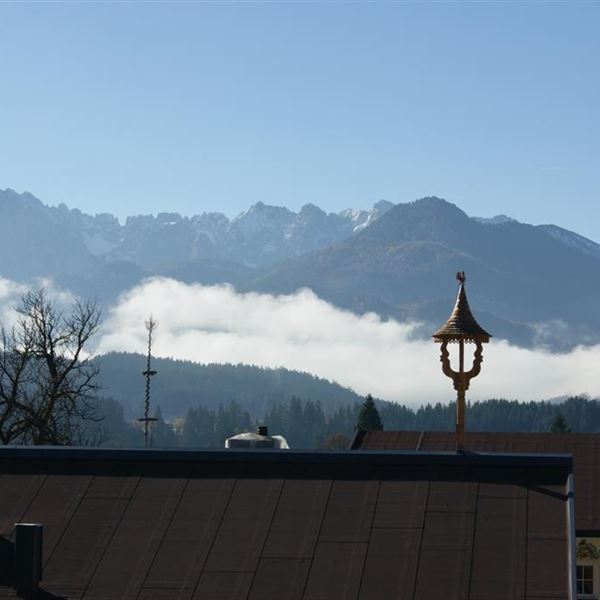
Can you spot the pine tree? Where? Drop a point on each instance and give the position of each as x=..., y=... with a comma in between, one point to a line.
x=368, y=417
x=163, y=435
x=559, y=425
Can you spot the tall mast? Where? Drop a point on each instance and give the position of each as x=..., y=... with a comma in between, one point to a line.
x=148, y=374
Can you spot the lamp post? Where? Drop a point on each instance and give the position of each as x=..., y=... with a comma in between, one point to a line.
x=461, y=328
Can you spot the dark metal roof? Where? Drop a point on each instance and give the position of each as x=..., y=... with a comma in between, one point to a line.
x=461, y=324
x=585, y=448
x=191, y=525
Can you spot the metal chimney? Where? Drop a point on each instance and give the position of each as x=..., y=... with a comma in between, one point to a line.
x=28, y=556
x=260, y=439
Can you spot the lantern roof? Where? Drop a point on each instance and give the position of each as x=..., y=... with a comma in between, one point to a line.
x=461, y=325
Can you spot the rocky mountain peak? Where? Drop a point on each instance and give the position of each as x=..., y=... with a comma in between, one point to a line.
x=312, y=209
x=497, y=220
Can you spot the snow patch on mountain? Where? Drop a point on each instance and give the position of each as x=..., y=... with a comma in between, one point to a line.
x=97, y=244
x=497, y=220
x=363, y=218
x=572, y=239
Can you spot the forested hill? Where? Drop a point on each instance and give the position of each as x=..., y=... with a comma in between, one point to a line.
x=180, y=385
x=208, y=403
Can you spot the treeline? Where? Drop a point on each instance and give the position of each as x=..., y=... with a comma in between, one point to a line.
x=305, y=424
x=581, y=414
x=183, y=384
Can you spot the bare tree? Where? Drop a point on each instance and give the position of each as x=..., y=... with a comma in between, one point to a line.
x=47, y=380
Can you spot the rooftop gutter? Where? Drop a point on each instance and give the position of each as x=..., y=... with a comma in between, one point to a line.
x=572, y=538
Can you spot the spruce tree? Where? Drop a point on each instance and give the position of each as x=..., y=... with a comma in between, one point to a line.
x=368, y=418
x=559, y=425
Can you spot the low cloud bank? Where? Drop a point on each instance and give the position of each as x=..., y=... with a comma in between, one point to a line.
x=302, y=332
x=9, y=297
x=11, y=292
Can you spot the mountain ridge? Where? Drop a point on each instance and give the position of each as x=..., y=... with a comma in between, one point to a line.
x=261, y=234
x=404, y=262
x=395, y=260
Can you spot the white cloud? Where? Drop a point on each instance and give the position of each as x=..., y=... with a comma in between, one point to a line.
x=303, y=332
x=11, y=292
x=300, y=331
x=9, y=297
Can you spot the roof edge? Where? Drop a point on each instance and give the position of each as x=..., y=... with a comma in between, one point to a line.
x=53, y=454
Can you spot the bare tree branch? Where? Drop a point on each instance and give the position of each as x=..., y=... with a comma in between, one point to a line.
x=48, y=383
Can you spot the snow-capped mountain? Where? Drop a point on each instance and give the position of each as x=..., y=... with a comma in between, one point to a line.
x=67, y=242
x=260, y=236
x=396, y=261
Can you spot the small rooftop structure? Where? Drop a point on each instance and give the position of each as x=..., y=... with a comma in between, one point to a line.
x=461, y=328
x=260, y=439
x=267, y=525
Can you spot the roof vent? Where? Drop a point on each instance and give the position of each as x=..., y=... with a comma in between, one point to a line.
x=260, y=439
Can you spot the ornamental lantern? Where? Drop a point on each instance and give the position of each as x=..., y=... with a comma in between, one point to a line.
x=461, y=328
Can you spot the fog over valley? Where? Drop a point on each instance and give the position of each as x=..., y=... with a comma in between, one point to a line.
x=217, y=324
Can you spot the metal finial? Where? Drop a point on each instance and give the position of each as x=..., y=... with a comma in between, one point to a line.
x=461, y=276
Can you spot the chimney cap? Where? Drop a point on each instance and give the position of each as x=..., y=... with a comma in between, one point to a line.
x=262, y=430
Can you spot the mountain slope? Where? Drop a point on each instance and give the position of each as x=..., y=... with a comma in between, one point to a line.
x=38, y=241
x=182, y=384
x=574, y=240
x=403, y=265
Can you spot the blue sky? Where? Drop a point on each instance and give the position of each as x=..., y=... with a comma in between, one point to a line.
x=146, y=107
